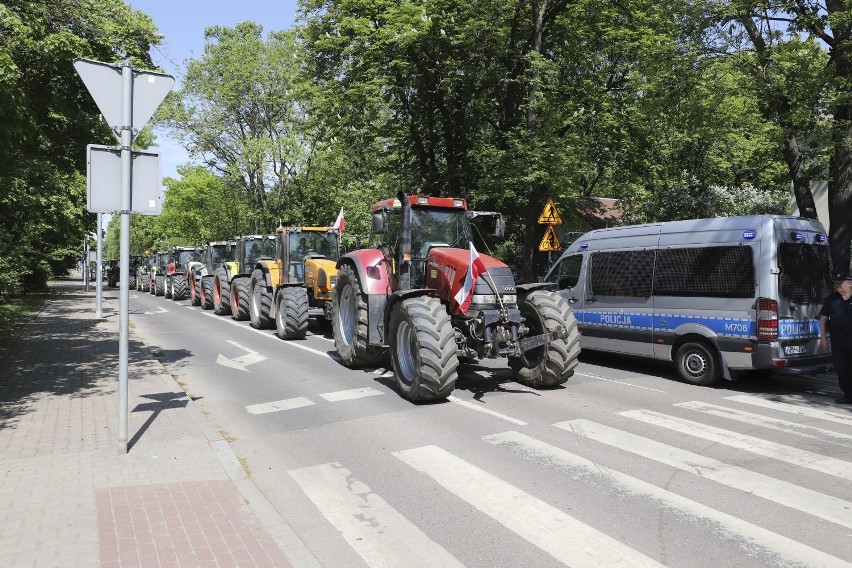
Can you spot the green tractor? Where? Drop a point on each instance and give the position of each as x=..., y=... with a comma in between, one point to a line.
x=215, y=255
x=158, y=272
x=232, y=279
x=143, y=271
x=177, y=287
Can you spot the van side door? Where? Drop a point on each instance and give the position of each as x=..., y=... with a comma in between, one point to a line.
x=618, y=306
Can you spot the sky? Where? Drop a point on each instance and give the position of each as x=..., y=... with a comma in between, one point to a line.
x=182, y=23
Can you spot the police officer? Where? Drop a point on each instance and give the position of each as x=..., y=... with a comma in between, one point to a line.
x=836, y=317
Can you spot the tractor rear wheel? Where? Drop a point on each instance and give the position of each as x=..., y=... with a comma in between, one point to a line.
x=240, y=299
x=167, y=288
x=221, y=293
x=147, y=284
x=207, y=293
x=178, y=287
x=349, y=321
x=260, y=302
x=423, y=349
x=553, y=363
x=291, y=313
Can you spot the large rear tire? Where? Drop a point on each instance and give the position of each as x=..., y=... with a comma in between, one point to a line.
x=423, y=349
x=167, y=288
x=698, y=364
x=240, y=299
x=260, y=302
x=179, y=288
x=551, y=364
x=148, y=283
x=291, y=313
x=207, y=293
x=221, y=293
x=349, y=322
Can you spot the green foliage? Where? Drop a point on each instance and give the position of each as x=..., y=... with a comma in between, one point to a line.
x=48, y=119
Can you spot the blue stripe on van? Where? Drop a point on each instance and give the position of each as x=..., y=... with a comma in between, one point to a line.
x=727, y=327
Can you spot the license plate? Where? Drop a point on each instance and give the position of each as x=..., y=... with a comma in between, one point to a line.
x=795, y=349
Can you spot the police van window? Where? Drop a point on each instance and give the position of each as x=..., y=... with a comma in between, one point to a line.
x=717, y=272
x=805, y=272
x=622, y=273
x=567, y=272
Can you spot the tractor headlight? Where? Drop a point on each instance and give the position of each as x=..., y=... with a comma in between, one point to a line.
x=491, y=299
x=510, y=299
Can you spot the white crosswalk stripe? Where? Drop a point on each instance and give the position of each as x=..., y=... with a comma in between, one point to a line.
x=804, y=430
x=560, y=535
x=793, y=409
x=382, y=536
x=725, y=526
x=800, y=498
x=378, y=532
x=791, y=455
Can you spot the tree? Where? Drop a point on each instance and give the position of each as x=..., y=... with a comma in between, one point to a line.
x=49, y=117
x=805, y=89
x=236, y=111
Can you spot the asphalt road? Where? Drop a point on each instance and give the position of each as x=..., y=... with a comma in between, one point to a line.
x=623, y=465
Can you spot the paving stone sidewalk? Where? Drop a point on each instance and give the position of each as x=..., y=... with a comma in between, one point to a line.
x=68, y=498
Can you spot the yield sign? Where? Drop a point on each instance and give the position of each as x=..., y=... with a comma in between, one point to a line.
x=549, y=215
x=104, y=82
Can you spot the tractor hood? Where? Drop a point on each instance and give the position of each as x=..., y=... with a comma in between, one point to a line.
x=459, y=259
x=446, y=269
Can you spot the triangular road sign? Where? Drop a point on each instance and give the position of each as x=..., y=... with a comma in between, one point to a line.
x=549, y=215
x=105, y=84
x=549, y=242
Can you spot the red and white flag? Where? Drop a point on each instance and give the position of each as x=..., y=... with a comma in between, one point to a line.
x=339, y=223
x=474, y=269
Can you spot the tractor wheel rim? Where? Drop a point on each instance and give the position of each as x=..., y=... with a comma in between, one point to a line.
x=347, y=316
x=406, y=347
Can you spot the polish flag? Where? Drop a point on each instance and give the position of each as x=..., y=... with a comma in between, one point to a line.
x=475, y=268
x=339, y=223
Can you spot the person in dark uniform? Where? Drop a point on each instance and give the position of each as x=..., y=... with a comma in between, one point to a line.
x=836, y=318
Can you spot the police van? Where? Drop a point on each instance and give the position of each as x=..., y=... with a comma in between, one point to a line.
x=714, y=296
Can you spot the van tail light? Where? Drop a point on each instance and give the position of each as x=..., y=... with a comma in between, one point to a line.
x=767, y=319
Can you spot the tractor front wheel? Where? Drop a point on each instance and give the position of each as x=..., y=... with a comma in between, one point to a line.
x=423, y=349
x=291, y=313
x=349, y=322
x=260, y=302
x=179, y=289
x=221, y=293
x=553, y=363
x=240, y=299
x=207, y=293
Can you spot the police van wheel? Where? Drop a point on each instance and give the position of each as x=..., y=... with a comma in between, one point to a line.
x=697, y=364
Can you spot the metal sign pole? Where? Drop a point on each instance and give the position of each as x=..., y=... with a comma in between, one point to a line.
x=124, y=257
x=99, y=271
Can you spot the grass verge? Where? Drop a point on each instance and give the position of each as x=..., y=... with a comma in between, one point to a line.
x=16, y=312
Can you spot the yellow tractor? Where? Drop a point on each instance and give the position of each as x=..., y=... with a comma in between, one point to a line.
x=298, y=283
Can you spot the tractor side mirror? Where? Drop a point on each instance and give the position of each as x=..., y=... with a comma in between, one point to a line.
x=500, y=228
x=380, y=223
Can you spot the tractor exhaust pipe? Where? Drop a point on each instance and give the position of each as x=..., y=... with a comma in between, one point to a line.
x=404, y=260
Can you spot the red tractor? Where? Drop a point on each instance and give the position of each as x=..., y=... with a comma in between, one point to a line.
x=408, y=295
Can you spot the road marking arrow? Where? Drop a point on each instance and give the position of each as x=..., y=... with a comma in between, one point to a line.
x=160, y=310
x=240, y=363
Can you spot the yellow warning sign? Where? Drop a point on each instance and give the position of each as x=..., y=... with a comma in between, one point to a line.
x=549, y=242
x=549, y=215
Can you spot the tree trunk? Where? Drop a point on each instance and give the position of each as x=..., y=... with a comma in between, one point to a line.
x=840, y=182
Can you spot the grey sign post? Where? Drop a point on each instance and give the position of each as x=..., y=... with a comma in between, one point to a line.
x=127, y=99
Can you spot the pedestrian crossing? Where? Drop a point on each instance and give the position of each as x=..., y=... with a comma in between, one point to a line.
x=612, y=455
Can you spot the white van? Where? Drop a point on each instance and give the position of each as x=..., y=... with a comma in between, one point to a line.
x=713, y=295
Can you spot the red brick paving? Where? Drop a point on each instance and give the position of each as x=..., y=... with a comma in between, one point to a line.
x=189, y=524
